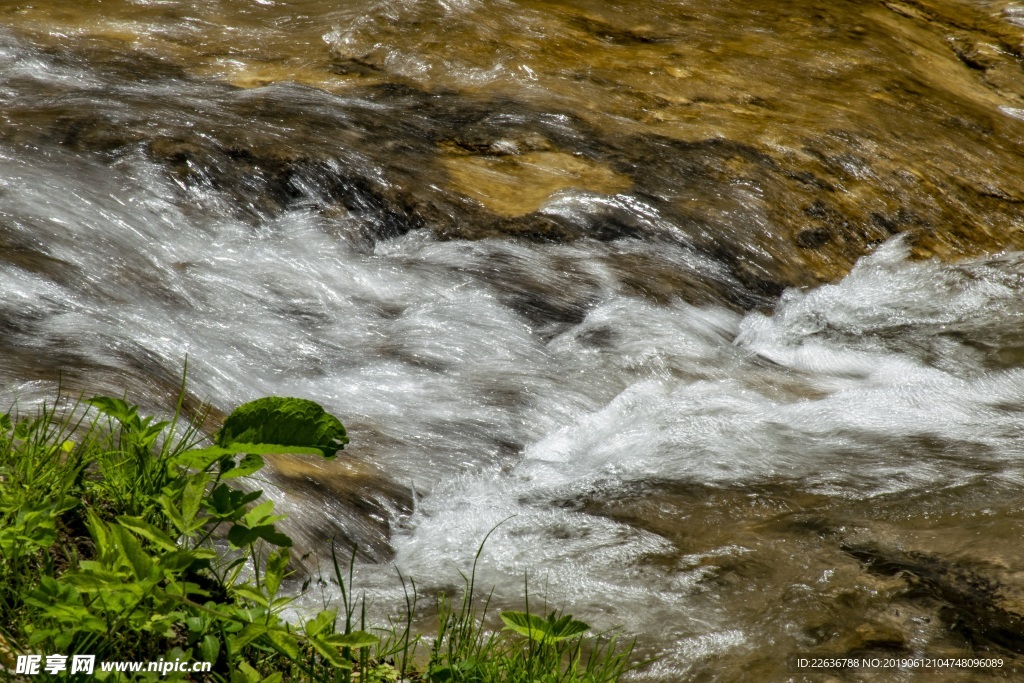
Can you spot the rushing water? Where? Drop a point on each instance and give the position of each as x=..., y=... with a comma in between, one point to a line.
x=644, y=288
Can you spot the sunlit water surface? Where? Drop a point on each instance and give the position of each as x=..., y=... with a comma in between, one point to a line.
x=709, y=475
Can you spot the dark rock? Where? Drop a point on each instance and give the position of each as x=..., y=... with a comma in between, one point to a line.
x=812, y=238
x=771, y=219
x=973, y=603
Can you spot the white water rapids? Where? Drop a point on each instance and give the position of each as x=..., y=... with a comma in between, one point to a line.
x=457, y=369
x=494, y=419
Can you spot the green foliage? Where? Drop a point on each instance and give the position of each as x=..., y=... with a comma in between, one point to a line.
x=530, y=649
x=112, y=543
x=550, y=630
x=282, y=422
x=107, y=532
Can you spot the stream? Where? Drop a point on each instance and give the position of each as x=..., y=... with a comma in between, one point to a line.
x=709, y=312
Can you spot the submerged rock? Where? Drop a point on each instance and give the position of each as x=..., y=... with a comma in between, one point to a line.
x=784, y=144
x=359, y=505
x=975, y=603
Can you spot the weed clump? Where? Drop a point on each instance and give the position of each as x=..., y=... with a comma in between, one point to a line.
x=123, y=537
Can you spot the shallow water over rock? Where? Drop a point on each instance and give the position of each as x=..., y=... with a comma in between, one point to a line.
x=713, y=307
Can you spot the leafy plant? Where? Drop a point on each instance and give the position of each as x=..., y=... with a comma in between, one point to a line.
x=544, y=631
x=276, y=422
x=121, y=537
x=530, y=649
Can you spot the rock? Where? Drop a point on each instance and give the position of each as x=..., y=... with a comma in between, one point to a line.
x=745, y=159
x=975, y=603
x=359, y=501
x=873, y=636
x=812, y=238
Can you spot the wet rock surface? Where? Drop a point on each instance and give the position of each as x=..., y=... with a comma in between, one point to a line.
x=976, y=604
x=913, y=578
x=364, y=502
x=753, y=146
x=300, y=148
x=909, y=129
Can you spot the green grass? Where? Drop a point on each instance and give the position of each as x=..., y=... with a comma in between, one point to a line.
x=128, y=538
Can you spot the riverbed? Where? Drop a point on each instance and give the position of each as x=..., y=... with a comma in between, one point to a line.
x=708, y=312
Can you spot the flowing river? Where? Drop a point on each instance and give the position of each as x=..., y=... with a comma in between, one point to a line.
x=711, y=310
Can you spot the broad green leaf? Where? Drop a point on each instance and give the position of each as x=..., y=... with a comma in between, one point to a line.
x=237, y=562
x=538, y=629
x=241, y=499
x=259, y=513
x=132, y=551
x=283, y=422
x=287, y=643
x=228, y=503
x=250, y=593
x=47, y=583
x=192, y=498
x=442, y=674
x=529, y=625
x=217, y=452
x=330, y=653
x=566, y=627
x=245, y=674
x=240, y=535
x=320, y=622
x=220, y=498
x=178, y=560
x=277, y=564
x=198, y=459
x=116, y=408
x=147, y=531
x=248, y=634
x=250, y=463
x=353, y=640
x=280, y=603
x=149, y=433
x=271, y=535
x=172, y=513
x=98, y=531
x=209, y=648
x=91, y=582
x=172, y=590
